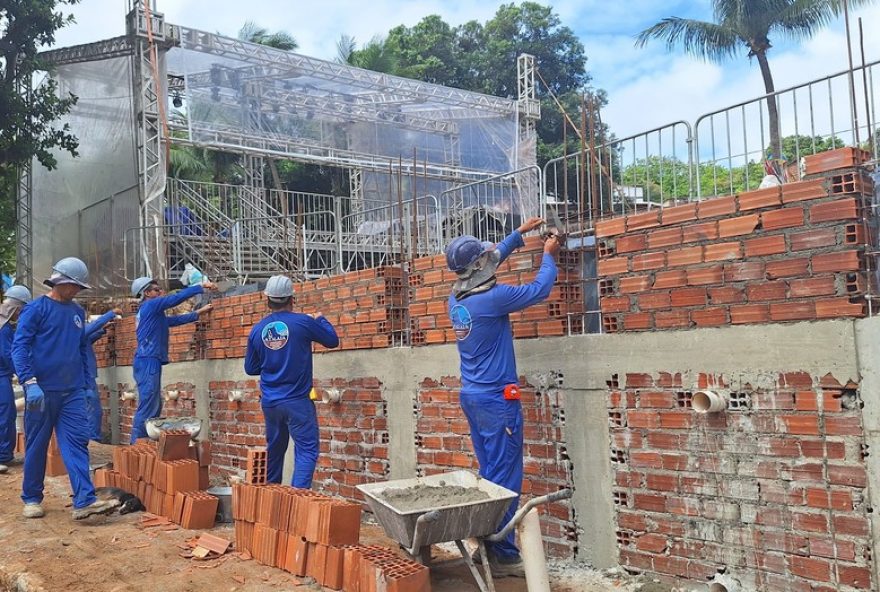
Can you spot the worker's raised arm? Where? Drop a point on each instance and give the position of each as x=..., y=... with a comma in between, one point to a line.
x=97, y=326
x=172, y=300
x=510, y=299
x=514, y=240
x=323, y=332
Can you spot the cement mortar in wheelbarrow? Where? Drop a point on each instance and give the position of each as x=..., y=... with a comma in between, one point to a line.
x=157, y=425
x=457, y=519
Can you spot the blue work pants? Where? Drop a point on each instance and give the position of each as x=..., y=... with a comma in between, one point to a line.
x=296, y=419
x=65, y=413
x=148, y=376
x=497, y=435
x=94, y=411
x=7, y=420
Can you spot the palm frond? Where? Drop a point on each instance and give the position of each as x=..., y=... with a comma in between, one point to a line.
x=709, y=41
x=345, y=48
x=802, y=18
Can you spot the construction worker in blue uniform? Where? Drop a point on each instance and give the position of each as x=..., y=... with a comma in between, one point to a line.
x=151, y=328
x=479, y=308
x=13, y=301
x=279, y=351
x=95, y=330
x=49, y=354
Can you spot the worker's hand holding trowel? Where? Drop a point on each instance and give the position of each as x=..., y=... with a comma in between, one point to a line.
x=210, y=286
x=204, y=309
x=530, y=224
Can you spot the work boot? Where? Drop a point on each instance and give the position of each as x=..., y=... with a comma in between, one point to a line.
x=3, y=469
x=33, y=511
x=97, y=507
x=506, y=566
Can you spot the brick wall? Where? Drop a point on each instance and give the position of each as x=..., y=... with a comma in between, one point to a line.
x=771, y=492
x=235, y=426
x=443, y=444
x=789, y=253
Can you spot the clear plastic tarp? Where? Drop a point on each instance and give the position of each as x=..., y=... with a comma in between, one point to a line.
x=83, y=207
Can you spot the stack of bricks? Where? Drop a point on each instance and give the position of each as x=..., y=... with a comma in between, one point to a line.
x=168, y=478
x=562, y=312
x=354, y=437
x=443, y=444
x=257, y=465
x=310, y=534
x=54, y=463
x=771, y=491
x=794, y=252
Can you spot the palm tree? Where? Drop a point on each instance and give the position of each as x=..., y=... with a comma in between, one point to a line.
x=254, y=33
x=375, y=55
x=748, y=23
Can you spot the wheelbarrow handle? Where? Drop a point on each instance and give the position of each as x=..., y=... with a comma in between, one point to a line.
x=418, y=532
x=517, y=518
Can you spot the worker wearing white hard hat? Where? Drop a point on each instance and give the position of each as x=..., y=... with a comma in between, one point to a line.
x=49, y=354
x=279, y=351
x=151, y=327
x=10, y=307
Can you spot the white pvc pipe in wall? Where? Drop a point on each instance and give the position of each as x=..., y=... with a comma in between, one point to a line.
x=534, y=562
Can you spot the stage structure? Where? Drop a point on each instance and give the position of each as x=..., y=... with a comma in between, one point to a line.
x=423, y=162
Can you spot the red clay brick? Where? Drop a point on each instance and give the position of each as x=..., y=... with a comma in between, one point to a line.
x=702, y=276
x=637, y=321
x=643, y=419
x=765, y=245
x=839, y=158
x=678, y=214
x=710, y=317
x=609, y=227
x=722, y=251
x=773, y=290
x=738, y=272
x=631, y=243
x=615, y=303
x=673, y=319
x=612, y=266
x=726, y=295
x=816, y=286
x=749, y=313
x=840, y=261
x=844, y=475
x=654, y=301
x=804, y=190
x=738, y=226
x=688, y=297
x=833, y=308
x=855, y=576
x=841, y=209
x=665, y=237
x=641, y=221
x=805, y=425
x=792, y=311
x=649, y=502
x=782, y=218
x=810, y=568
x=786, y=268
x=700, y=232
x=637, y=283
x=685, y=256
x=652, y=543
x=648, y=261
x=670, y=279
x=851, y=525
x=759, y=198
x=716, y=206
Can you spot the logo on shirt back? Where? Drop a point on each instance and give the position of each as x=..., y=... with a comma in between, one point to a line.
x=77, y=321
x=461, y=321
x=275, y=335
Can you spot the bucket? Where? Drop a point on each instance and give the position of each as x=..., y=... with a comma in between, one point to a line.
x=224, y=508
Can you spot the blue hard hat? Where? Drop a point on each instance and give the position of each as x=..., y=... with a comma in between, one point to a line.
x=19, y=293
x=464, y=251
x=69, y=270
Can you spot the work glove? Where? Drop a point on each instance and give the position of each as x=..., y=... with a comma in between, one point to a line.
x=35, y=398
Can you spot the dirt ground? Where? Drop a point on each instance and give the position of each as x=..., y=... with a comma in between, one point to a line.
x=112, y=554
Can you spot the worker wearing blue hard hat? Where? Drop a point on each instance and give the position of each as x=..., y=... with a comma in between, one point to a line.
x=13, y=300
x=49, y=354
x=479, y=309
x=279, y=351
x=152, y=327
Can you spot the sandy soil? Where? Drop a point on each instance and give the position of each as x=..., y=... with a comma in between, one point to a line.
x=111, y=554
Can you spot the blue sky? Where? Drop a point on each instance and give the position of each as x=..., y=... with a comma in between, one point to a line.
x=634, y=78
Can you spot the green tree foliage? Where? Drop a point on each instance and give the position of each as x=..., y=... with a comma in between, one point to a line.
x=27, y=130
x=748, y=24
x=254, y=33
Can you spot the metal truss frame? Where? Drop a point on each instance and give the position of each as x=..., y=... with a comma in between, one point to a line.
x=24, y=249
x=89, y=52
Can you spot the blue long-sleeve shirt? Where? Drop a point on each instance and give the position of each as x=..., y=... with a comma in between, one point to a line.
x=482, y=326
x=152, y=323
x=279, y=350
x=50, y=345
x=6, y=335
x=95, y=331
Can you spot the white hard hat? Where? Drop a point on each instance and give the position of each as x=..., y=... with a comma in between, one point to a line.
x=69, y=270
x=139, y=285
x=279, y=287
x=19, y=293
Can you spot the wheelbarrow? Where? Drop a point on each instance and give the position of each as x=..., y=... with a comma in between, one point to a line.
x=416, y=530
x=157, y=425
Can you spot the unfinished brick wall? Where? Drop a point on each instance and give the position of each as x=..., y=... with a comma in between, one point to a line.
x=235, y=426
x=443, y=444
x=789, y=253
x=771, y=491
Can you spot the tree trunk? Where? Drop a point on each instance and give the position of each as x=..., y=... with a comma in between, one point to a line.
x=772, y=106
